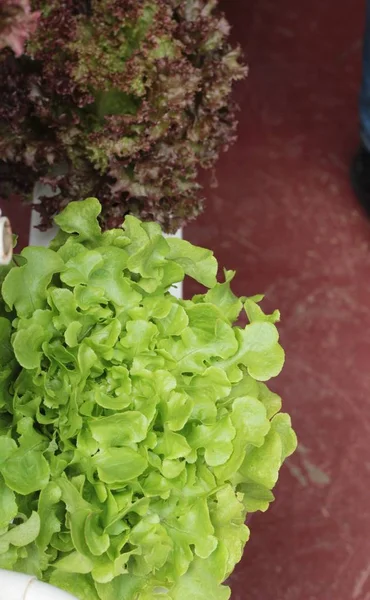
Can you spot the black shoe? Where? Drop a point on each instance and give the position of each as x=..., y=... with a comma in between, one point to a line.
x=360, y=177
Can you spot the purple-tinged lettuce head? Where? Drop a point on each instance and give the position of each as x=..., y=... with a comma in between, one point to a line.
x=132, y=97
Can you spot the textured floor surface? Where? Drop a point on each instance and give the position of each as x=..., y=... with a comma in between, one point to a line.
x=284, y=216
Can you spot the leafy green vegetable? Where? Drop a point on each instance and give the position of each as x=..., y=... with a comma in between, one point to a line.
x=133, y=98
x=135, y=430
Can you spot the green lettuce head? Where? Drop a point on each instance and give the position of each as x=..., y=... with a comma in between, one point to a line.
x=136, y=432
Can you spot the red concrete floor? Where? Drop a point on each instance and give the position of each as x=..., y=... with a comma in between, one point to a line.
x=283, y=214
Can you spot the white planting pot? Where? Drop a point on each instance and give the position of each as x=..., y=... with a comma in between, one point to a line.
x=43, y=238
x=16, y=586
x=6, y=242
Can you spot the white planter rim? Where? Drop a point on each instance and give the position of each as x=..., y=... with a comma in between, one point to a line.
x=6, y=241
x=18, y=586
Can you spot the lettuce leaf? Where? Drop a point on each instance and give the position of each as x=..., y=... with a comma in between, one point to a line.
x=136, y=431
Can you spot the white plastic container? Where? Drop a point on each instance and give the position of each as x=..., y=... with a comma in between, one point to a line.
x=16, y=586
x=6, y=242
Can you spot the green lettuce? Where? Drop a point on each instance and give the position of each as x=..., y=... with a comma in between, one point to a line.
x=136, y=430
